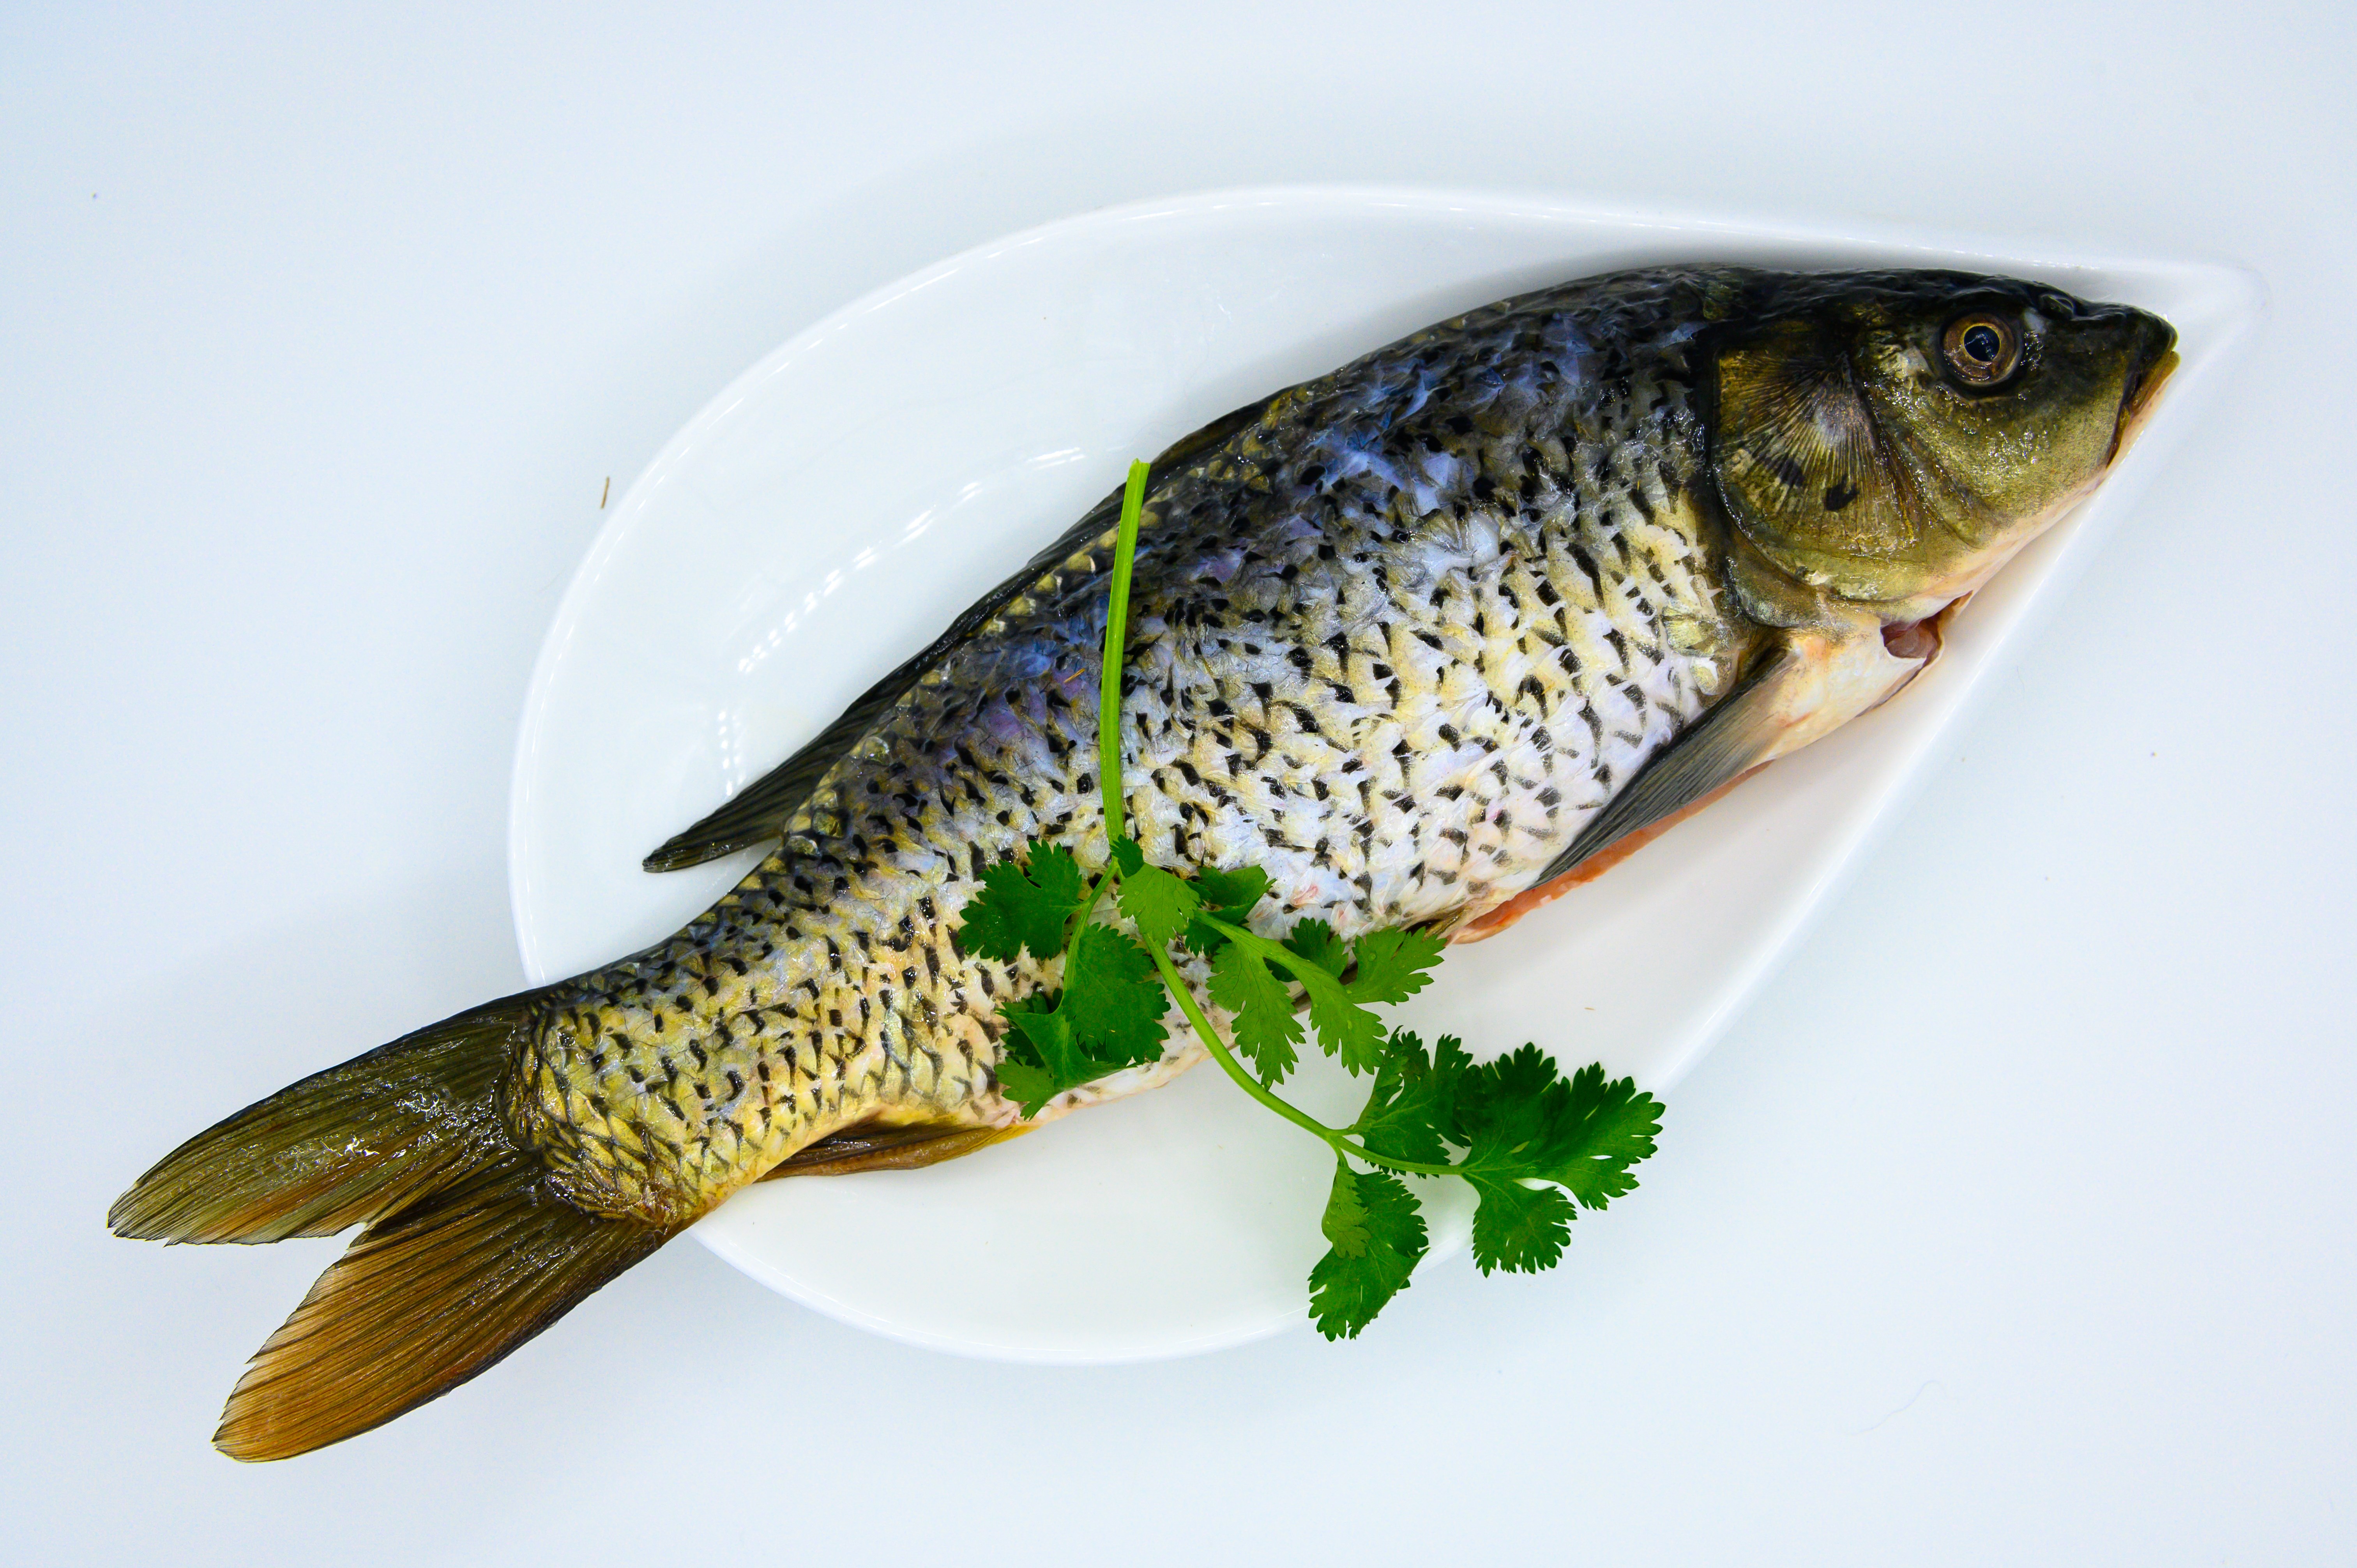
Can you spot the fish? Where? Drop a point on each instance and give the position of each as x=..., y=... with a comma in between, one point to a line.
x=1426, y=639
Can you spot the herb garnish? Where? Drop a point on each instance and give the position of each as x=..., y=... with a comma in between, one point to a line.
x=1534, y=1144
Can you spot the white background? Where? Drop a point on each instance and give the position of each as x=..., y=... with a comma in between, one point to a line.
x=2013, y=1223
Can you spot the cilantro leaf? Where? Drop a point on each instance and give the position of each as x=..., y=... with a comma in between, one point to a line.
x=1410, y=1105
x=1113, y=999
x=1521, y=1230
x=1607, y=1128
x=1521, y=1122
x=1504, y=1109
x=1038, y=1059
x=1376, y=1237
x=1344, y=1028
x=1029, y=1086
x=1347, y=1226
x=1035, y=1034
x=1024, y=905
x=1384, y=966
x=1516, y=1115
x=1107, y=1016
x=1228, y=896
x=1450, y=1060
x=1315, y=940
x=1158, y=903
x=1393, y=965
x=1265, y=1027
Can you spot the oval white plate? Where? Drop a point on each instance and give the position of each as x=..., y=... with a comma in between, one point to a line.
x=852, y=492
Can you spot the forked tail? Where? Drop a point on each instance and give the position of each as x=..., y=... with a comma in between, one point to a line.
x=468, y=1251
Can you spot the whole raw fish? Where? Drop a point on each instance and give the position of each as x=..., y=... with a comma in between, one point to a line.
x=1423, y=639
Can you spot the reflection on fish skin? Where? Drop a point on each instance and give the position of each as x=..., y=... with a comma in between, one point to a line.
x=1416, y=638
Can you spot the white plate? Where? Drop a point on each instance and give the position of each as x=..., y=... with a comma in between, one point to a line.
x=847, y=496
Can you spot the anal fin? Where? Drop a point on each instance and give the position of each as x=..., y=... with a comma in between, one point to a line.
x=879, y=1148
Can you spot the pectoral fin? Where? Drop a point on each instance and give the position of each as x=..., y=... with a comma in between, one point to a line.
x=1805, y=685
x=1735, y=736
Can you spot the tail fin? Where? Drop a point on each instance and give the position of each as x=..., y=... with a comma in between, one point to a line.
x=422, y=1302
x=339, y=1148
x=468, y=1251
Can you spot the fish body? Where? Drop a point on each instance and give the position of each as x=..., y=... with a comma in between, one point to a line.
x=1417, y=638
x=1392, y=641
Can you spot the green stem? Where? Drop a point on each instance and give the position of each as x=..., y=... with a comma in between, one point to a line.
x=1244, y=1080
x=1226, y=1058
x=1116, y=646
x=1088, y=909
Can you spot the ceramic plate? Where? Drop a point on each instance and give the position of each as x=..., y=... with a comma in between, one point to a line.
x=851, y=493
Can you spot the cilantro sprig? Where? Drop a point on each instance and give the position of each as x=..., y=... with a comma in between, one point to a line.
x=1535, y=1147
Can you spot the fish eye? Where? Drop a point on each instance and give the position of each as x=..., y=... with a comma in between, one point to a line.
x=1983, y=349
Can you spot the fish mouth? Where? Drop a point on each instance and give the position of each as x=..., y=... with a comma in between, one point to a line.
x=2144, y=396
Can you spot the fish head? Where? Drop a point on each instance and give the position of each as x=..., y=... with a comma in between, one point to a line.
x=1891, y=439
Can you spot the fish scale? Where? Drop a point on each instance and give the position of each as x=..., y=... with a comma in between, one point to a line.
x=1393, y=642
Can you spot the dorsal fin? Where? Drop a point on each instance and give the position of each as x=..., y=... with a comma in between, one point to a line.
x=760, y=811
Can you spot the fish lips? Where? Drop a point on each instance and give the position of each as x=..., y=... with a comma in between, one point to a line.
x=2152, y=360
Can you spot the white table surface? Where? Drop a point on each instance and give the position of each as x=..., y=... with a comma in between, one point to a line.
x=2013, y=1223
